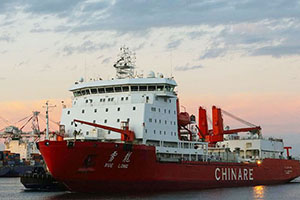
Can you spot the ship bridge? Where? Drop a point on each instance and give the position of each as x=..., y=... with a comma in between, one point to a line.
x=163, y=85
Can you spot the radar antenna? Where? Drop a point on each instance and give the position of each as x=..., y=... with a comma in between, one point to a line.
x=125, y=64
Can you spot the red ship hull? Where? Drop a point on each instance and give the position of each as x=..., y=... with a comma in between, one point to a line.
x=111, y=167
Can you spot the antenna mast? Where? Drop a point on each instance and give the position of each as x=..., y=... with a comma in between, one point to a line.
x=125, y=64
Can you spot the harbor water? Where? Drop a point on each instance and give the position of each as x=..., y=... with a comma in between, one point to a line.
x=11, y=188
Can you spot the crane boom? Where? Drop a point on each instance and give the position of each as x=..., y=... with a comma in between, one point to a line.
x=127, y=135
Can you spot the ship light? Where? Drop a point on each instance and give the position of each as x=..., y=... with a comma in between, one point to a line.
x=258, y=162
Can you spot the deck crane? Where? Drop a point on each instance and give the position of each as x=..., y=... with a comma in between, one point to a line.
x=217, y=133
x=126, y=134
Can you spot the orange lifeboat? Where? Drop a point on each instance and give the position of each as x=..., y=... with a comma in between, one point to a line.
x=183, y=119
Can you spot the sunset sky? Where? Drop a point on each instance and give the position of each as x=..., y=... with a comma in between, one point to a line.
x=243, y=56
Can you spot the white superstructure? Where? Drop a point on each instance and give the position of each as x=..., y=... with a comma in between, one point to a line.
x=147, y=104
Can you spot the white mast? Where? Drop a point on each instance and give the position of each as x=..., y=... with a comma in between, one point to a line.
x=125, y=64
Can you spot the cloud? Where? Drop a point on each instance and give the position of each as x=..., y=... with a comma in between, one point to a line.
x=188, y=68
x=40, y=30
x=45, y=68
x=251, y=27
x=2, y=78
x=174, y=44
x=213, y=53
x=140, y=15
x=6, y=38
x=277, y=51
x=87, y=46
x=106, y=60
x=53, y=7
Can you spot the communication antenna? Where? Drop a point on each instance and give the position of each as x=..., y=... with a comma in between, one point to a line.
x=171, y=61
x=125, y=64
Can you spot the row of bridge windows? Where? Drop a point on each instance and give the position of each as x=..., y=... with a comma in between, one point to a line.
x=132, y=88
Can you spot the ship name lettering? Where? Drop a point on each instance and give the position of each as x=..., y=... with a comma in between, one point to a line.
x=109, y=165
x=127, y=157
x=233, y=174
x=112, y=156
x=123, y=166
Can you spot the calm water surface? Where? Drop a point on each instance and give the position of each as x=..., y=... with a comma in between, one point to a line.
x=11, y=188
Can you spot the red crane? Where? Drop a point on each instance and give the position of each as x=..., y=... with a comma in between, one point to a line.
x=126, y=134
x=217, y=133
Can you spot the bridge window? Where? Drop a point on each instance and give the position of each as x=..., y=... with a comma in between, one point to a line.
x=68, y=112
x=101, y=90
x=125, y=88
x=122, y=98
x=83, y=92
x=118, y=89
x=105, y=121
x=94, y=121
x=168, y=88
x=118, y=120
x=95, y=110
x=150, y=119
x=106, y=110
x=77, y=93
x=126, y=98
x=151, y=87
x=118, y=108
x=143, y=88
x=153, y=109
x=133, y=108
x=134, y=88
x=160, y=87
x=82, y=111
x=94, y=91
x=86, y=101
x=109, y=90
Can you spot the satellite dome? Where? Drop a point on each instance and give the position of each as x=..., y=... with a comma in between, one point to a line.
x=151, y=74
